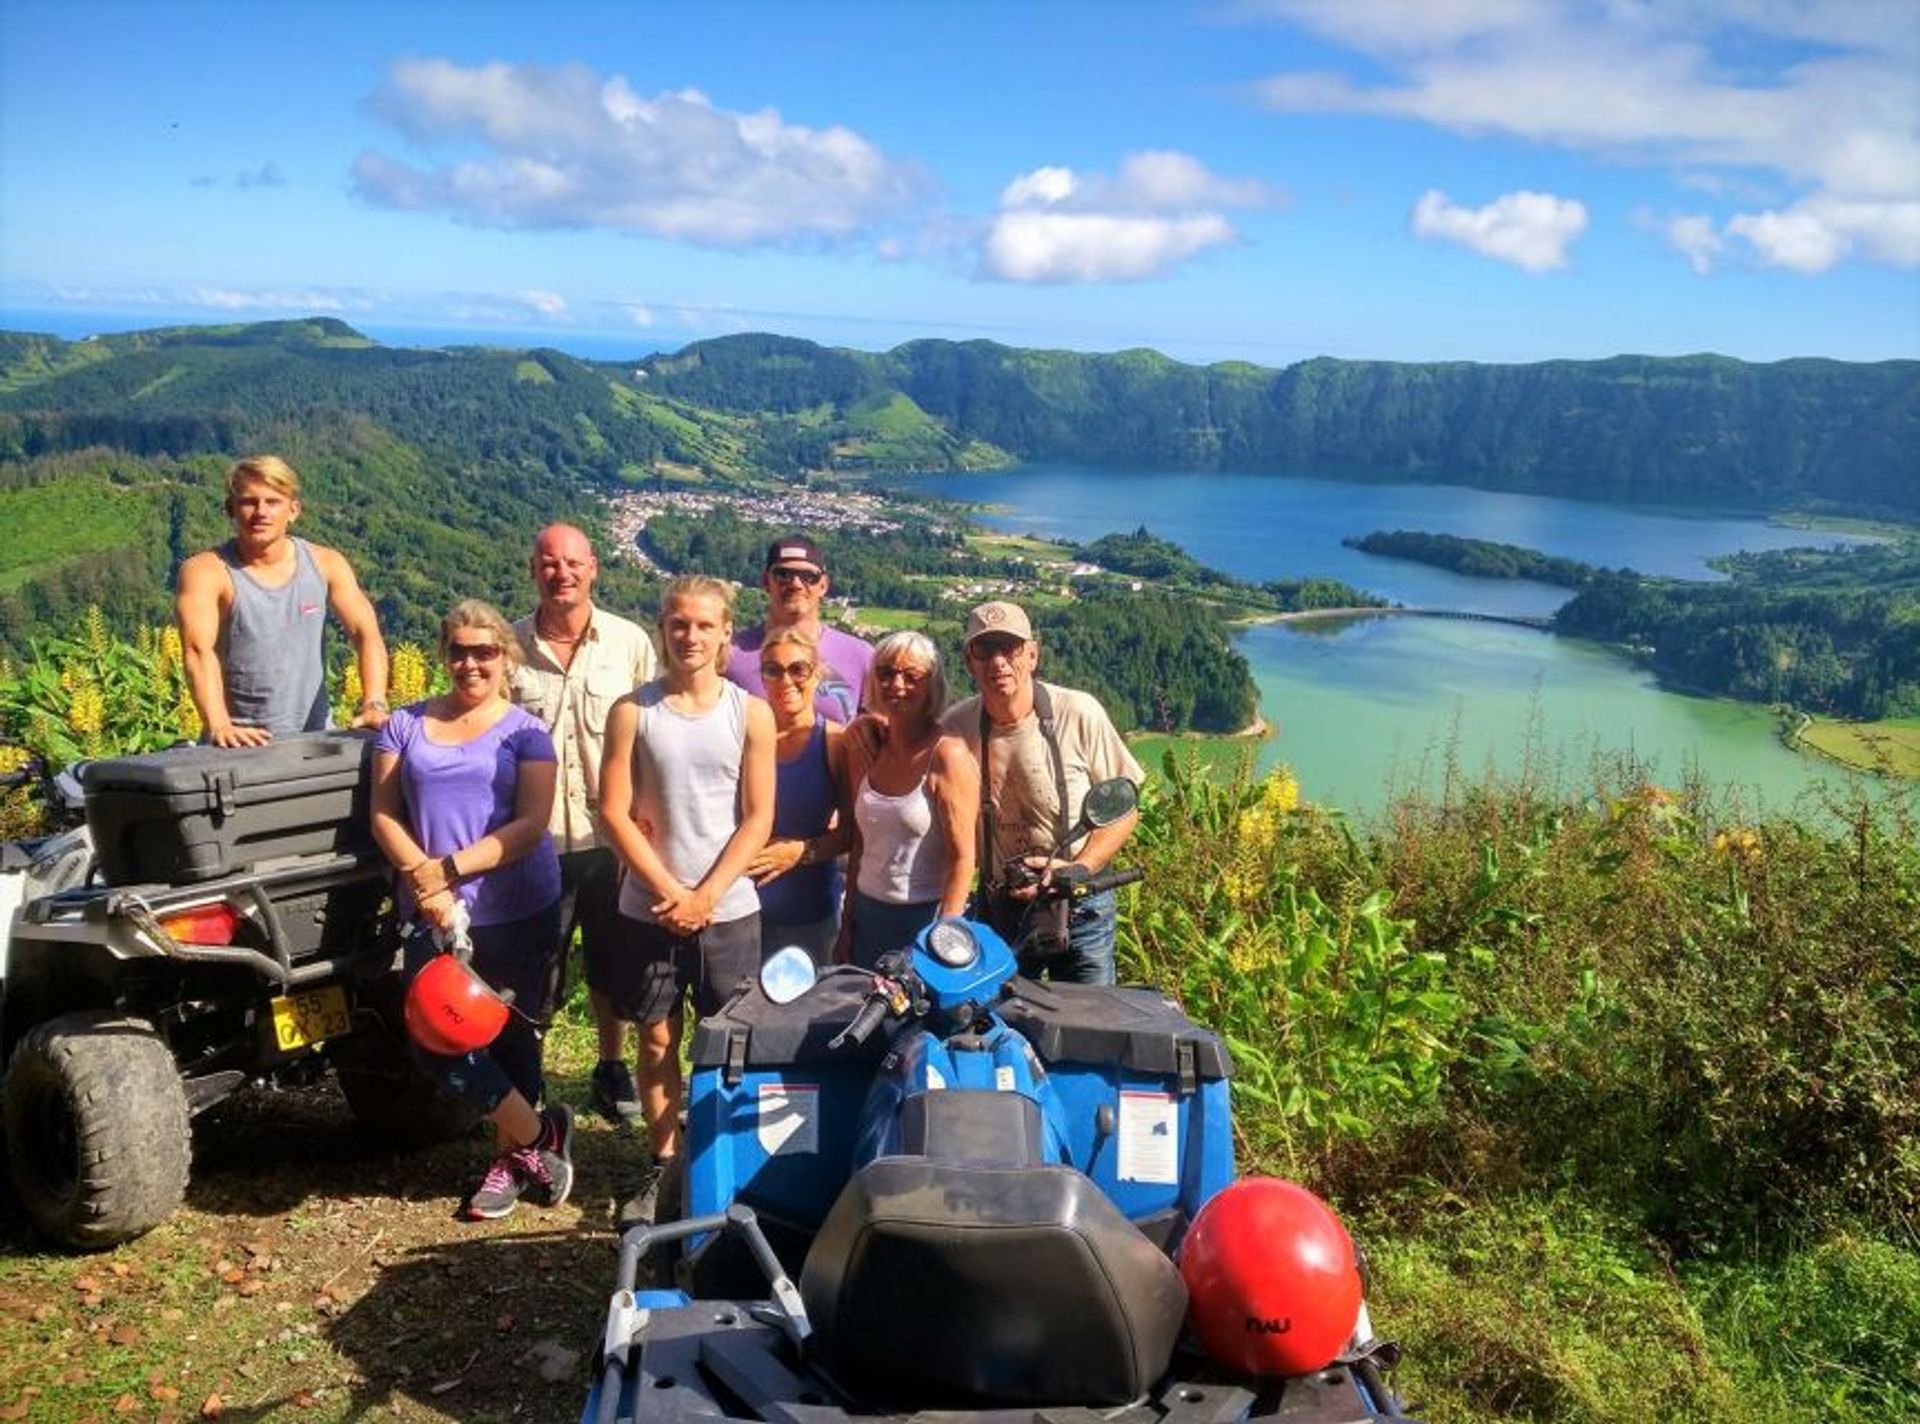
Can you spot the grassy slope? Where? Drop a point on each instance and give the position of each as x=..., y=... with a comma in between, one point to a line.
x=47, y=525
x=1891, y=746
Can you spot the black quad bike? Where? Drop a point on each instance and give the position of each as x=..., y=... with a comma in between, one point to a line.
x=221, y=917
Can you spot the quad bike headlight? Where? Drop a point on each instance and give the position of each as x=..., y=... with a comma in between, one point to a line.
x=951, y=942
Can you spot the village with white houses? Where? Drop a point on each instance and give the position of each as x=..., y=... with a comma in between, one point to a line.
x=629, y=512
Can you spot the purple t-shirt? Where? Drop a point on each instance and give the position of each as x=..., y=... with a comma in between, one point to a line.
x=843, y=673
x=456, y=795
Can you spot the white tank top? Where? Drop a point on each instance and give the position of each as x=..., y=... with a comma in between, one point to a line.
x=686, y=797
x=902, y=859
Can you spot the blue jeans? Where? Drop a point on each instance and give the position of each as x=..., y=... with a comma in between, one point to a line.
x=1091, y=927
x=516, y=955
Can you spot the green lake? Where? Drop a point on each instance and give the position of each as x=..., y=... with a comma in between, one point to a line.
x=1365, y=706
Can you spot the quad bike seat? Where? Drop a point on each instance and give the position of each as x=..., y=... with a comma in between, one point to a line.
x=979, y=1273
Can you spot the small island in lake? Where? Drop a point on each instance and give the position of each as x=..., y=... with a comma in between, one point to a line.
x=1477, y=558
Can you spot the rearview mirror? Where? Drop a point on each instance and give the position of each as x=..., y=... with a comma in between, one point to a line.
x=1108, y=802
x=788, y=974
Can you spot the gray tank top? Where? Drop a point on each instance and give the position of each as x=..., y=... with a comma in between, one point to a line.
x=269, y=647
x=686, y=797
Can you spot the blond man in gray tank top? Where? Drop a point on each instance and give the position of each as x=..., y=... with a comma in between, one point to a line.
x=252, y=613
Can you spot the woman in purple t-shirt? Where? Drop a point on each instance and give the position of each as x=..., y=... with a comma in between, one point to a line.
x=462, y=789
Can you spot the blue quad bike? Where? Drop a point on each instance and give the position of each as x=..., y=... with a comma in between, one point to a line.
x=972, y=1217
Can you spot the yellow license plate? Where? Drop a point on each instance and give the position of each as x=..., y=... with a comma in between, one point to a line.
x=303, y=1019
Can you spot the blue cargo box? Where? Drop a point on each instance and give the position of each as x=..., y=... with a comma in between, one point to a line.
x=1145, y=1094
x=773, y=1114
x=771, y=1117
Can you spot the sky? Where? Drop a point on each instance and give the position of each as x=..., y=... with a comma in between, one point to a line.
x=1257, y=180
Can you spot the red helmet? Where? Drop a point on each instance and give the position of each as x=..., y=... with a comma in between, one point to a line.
x=1272, y=1284
x=452, y=1010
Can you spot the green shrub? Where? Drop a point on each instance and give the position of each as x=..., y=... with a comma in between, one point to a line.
x=1712, y=1024
x=1339, y=1024
x=1533, y=1309
x=1831, y=1330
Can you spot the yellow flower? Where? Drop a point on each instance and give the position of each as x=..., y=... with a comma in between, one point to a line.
x=1741, y=841
x=186, y=717
x=97, y=637
x=351, y=690
x=172, y=655
x=1260, y=824
x=407, y=675
x=1249, y=952
x=87, y=710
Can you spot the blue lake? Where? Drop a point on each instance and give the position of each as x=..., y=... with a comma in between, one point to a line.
x=1362, y=707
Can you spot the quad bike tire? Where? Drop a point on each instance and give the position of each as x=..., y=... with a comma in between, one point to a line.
x=395, y=1105
x=98, y=1141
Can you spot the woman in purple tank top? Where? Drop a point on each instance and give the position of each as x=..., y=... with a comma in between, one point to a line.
x=798, y=872
x=462, y=789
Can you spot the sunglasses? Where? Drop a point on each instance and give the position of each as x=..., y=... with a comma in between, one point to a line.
x=995, y=646
x=809, y=577
x=912, y=677
x=792, y=672
x=472, y=652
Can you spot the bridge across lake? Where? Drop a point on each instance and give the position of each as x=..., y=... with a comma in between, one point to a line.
x=1309, y=615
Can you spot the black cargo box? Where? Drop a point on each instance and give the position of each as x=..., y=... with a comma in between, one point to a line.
x=1138, y=1030
x=196, y=813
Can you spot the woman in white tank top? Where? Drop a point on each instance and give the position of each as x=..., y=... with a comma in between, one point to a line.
x=915, y=805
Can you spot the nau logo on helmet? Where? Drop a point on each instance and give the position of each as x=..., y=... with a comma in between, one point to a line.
x=1257, y=1326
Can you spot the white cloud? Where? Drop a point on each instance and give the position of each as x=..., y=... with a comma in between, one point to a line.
x=1043, y=185
x=232, y=299
x=1531, y=230
x=1824, y=98
x=1797, y=240
x=1097, y=247
x=1814, y=235
x=1160, y=209
x=1159, y=180
x=1403, y=25
x=1694, y=235
x=561, y=148
x=546, y=303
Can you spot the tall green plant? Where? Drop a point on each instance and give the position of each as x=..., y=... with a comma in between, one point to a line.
x=1338, y=1023
x=88, y=693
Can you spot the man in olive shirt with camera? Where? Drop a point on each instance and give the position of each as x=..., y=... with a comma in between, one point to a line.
x=1040, y=747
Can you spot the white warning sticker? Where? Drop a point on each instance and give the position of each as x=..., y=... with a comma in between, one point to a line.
x=1003, y=1078
x=788, y=1118
x=1149, y=1138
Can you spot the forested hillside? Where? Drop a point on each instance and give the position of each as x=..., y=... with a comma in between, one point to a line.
x=426, y=464
x=1695, y=429
x=1834, y=631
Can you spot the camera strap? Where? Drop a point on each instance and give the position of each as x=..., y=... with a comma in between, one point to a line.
x=1050, y=733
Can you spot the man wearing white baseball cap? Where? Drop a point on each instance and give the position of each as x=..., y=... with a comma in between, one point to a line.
x=1040, y=747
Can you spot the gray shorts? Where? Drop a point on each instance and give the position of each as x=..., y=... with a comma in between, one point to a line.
x=648, y=968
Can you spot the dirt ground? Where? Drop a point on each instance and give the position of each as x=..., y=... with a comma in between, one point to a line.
x=309, y=1278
